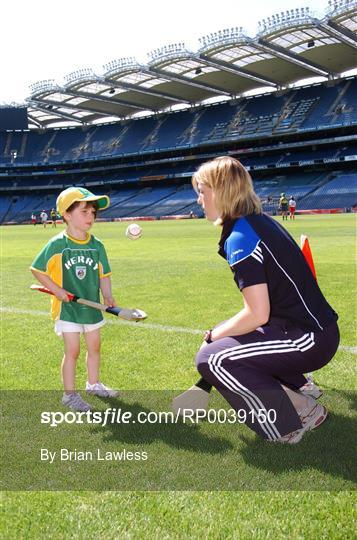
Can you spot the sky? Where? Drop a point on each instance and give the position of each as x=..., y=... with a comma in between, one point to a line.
x=43, y=39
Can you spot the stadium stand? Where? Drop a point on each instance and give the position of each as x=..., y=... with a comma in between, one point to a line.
x=253, y=117
x=296, y=139
x=339, y=192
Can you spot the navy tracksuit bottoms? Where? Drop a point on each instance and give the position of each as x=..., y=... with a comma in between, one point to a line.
x=249, y=370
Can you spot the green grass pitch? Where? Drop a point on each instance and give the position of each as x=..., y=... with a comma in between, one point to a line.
x=174, y=273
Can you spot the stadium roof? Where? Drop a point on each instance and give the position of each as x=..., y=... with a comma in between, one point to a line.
x=289, y=47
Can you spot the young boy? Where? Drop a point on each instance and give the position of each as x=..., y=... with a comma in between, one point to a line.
x=74, y=261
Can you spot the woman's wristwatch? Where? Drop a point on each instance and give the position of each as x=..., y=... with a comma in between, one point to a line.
x=208, y=336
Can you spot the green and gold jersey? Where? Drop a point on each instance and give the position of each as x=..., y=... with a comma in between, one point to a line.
x=283, y=203
x=77, y=266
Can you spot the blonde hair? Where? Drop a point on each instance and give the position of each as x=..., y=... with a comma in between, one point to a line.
x=232, y=186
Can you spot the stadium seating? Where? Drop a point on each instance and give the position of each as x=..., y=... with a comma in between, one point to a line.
x=307, y=108
x=5, y=205
x=339, y=192
x=140, y=203
x=181, y=201
x=146, y=163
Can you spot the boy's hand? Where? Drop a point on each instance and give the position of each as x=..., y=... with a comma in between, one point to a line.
x=62, y=295
x=109, y=301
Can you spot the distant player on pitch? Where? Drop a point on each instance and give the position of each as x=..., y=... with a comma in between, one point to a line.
x=75, y=261
x=283, y=206
x=44, y=218
x=292, y=207
x=53, y=215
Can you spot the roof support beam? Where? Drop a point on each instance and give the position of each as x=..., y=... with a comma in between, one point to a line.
x=142, y=90
x=342, y=34
x=58, y=113
x=35, y=121
x=231, y=68
x=104, y=99
x=191, y=82
x=289, y=56
x=65, y=105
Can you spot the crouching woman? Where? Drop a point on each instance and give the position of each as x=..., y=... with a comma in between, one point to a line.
x=257, y=358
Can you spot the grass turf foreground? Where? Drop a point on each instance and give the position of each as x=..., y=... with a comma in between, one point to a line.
x=168, y=273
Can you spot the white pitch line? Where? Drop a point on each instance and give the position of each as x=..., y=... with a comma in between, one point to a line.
x=141, y=325
x=347, y=348
x=148, y=326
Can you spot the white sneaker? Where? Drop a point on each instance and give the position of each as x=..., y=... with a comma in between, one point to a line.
x=310, y=389
x=99, y=389
x=310, y=418
x=75, y=402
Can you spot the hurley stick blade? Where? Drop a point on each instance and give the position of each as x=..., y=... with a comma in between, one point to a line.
x=194, y=398
x=128, y=314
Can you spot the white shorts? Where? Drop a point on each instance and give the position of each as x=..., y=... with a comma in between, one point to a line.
x=65, y=326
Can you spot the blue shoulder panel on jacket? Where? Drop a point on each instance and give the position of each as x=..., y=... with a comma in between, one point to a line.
x=241, y=242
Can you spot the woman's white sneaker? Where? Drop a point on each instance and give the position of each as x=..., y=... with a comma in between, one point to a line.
x=311, y=418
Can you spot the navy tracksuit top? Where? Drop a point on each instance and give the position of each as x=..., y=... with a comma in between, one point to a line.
x=259, y=250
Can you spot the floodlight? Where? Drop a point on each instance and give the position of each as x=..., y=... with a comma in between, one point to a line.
x=43, y=86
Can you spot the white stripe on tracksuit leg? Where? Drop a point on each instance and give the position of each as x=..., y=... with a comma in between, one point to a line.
x=232, y=384
x=243, y=351
x=254, y=404
x=255, y=349
x=264, y=347
x=305, y=336
x=255, y=398
x=307, y=344
x=273, y=342
x=247, y=346
x=295, y=345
